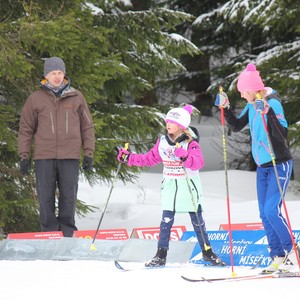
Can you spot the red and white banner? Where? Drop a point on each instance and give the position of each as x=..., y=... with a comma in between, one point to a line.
x=49, y=235
x=242, y=226
x=152, y=233
x=108, y=234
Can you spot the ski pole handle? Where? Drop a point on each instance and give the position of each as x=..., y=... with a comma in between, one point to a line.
x=123, y=154
x=126, y=146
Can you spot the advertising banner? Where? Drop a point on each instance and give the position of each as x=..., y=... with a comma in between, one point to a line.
x=249, y=247
x=49, y=235
x=152, y=233
x=103, y=234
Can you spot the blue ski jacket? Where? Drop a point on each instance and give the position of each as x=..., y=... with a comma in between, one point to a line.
x=277, y=128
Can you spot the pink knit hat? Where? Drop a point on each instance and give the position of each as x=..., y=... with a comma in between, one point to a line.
x=180, y=116
x=249, y=80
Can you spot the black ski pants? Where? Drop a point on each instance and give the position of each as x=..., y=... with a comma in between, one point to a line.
x=52, y=176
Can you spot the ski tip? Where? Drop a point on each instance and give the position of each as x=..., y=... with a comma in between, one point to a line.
x=118, y=266
x=193, y=280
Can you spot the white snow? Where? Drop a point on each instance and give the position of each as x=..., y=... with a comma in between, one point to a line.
x=133, y=206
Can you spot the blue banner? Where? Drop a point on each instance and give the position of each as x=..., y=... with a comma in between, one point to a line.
x=249, y=247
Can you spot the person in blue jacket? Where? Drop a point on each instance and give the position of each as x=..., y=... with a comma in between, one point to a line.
x=268, y=126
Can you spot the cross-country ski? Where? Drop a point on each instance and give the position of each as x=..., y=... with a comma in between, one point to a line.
x=244, y=277
x=131, y=266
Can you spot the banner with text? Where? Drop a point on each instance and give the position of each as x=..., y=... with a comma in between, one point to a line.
x=49, y=235
x=249, y=247
x=152, y=233
x=103, y=234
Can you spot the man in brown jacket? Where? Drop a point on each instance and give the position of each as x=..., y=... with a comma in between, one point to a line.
x=57, y=118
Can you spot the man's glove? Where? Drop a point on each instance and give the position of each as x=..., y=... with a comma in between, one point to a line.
x=87, y=164
x=123, y=155
x=222, y=100
x=181, y=153
x=24, y=166
x=261, y=106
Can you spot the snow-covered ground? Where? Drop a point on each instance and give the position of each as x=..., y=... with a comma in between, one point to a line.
x=136, y=205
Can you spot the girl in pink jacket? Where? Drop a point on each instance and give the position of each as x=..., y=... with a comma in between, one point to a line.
x=181, y=189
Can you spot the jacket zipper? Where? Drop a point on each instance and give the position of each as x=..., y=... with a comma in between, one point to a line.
x=175, y=196
x=52, y=124
x=196, y=191
x=67, y=122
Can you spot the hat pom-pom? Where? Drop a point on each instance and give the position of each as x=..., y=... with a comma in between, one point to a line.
x=251, y=67
x=188, y=108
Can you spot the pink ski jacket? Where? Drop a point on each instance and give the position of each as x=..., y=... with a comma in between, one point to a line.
x=181, y=188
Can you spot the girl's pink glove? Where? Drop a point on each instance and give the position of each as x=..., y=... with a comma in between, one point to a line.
x=181, y=153
x=123, y=155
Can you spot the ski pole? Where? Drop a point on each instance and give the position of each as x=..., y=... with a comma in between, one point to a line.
x=295, y=247
x=226, y=183
x=206, y=247
x=93, y=247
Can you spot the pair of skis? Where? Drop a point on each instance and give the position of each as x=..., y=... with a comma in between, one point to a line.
x=275, y=275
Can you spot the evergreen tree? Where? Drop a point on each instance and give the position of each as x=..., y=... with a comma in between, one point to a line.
x=196, y=79
x=112, y=54
x=263, y=32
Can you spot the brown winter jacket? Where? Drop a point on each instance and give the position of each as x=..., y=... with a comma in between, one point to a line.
x=60, y=127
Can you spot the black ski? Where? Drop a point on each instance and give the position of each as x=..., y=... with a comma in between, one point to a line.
x=119, y=266
x=140, y=266
x=122, y=266
x=130, y=266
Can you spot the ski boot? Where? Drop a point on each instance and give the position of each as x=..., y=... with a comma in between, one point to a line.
x=273, y=267
x=159, y=260
x=210, y=256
